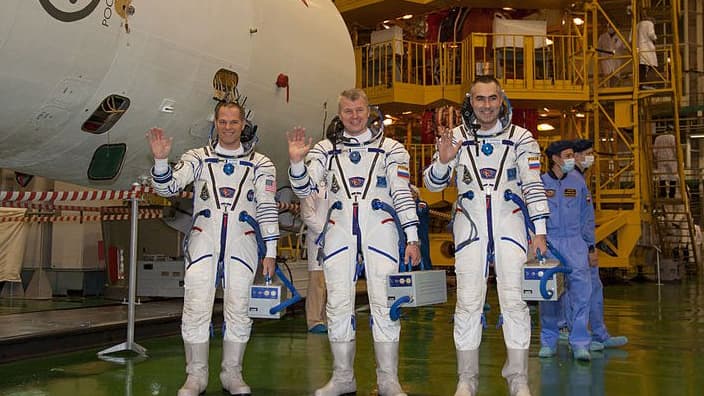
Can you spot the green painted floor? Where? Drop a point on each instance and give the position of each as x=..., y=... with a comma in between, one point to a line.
x=665, y=356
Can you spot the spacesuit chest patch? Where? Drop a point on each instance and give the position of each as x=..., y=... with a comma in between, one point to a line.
x=550, y=193
x=570, y=192
x=334, y=186
x=511, y=173
x=381, y=181
x=356, y=181
x=487, y=173
x=204, y=194
x=466, y=176
x=250, y=195
x=227, y=192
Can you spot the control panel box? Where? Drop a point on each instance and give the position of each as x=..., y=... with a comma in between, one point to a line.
x=533, y=272
x=423, y=287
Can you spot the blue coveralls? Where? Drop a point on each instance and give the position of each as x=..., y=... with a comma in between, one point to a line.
x=571, y=210
x=596, y=305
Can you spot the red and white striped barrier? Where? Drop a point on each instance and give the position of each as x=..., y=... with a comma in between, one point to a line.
x=81, y=219
x=43, y=200
x=50, y=196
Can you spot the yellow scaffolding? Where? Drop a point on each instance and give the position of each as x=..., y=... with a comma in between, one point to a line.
x=560, y=71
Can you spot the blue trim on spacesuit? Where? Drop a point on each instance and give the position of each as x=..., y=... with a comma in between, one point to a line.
x=336, y=252
x=198, y=259
x=243, y=263
x=504, y=238
x=383, y=253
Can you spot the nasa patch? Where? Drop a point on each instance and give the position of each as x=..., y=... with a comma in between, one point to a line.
x=250, y=195
x=550, y=193
x=381, y=181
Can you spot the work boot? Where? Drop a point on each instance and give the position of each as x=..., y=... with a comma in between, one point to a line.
x=581, y=354
x=342, y=381
x=468, y=372
x=547, y=352
x=516, y=372
x=387, y=369
x=615, y=342
x=196, y=368
x=231, y=368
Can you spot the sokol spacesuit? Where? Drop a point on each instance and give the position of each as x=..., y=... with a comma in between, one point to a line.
x=356, y=169
x=488, y=160
x=220, y=249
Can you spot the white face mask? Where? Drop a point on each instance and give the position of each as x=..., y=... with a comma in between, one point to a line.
x=568, y=165
x=588, y=161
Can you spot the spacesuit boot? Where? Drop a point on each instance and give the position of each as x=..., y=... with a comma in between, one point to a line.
x=387, y=369
x=342, y=381
x=468, y=371
x=196, y=368
x=516, y=372
x=231, y=369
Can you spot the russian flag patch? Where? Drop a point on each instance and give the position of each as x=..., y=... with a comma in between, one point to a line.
x=533, y=162
x=403, y=172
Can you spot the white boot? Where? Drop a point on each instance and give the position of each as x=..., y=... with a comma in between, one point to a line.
x=342, y=381
x=468, y=372
x=516, y=372
x=387, y=369
x=231, y=369
x=196, y=368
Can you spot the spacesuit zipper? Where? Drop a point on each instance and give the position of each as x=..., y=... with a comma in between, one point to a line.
x=490, y=228
x=358, y=233
x=221, y=258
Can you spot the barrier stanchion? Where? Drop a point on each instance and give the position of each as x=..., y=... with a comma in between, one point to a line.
x=129, y=344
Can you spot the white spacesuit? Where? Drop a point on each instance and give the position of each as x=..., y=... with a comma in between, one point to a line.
x=355, y=171
x=489, y=229
x=220, y=249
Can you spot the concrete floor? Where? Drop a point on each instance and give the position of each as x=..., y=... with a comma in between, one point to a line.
x=665, y=355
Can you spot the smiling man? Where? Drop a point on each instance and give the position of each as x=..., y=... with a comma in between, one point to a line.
x=228, y=177
x=358, y=165
x=490, y=156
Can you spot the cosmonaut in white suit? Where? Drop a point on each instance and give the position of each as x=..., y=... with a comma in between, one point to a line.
x=228, y=177
x=357, y=165
x=489, y=156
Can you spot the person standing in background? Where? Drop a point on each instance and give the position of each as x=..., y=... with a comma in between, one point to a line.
x=584, y=159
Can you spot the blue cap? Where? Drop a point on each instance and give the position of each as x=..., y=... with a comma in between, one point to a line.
x=580, y=145
x=555, y=148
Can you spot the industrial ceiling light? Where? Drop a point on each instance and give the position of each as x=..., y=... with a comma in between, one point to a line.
x=388, y=121
x=407, y=16
x=545, y=127
x=578, y=21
